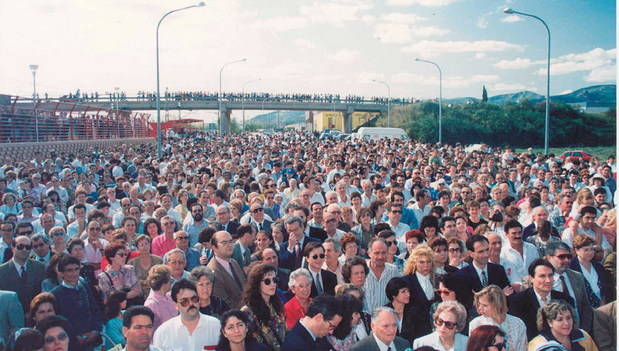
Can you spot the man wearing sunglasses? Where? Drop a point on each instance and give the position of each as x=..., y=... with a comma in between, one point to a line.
x=323, y=281
x=190, y=330
x=257, y=217
x=570, y=282
x=21, y=274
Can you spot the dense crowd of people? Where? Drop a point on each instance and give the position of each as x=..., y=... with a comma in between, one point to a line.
x=285, y=242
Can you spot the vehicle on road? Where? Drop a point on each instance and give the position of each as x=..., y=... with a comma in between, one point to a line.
x=573, y=155
x=377, y=133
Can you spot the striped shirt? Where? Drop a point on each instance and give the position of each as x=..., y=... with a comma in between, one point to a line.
x=374, y=288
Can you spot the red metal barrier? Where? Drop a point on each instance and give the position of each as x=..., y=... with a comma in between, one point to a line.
x=23, y=121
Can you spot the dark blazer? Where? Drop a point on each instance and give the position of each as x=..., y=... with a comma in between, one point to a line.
x=266, y=225
x=299, y=339
x=530, y=231
x=283, y=275
x=289, y=260
x=604, y=279
x=408, y=324
x=524, y=305
x=317, y=233
x=232, y=227
x=329, y=281
x=605, y=327
x=369, y=344
x=421, y=306
x=242, y=260
x=471, y=282
x=26, y=290
x=585, y=311
x=225, y=287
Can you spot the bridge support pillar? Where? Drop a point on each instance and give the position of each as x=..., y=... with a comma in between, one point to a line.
x=225, y=122
x=348, y=120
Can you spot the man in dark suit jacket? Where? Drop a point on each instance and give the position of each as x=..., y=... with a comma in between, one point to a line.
x=525, y=304
x=559, y=255
x=223, y=222
x=230, y=280
x=242, y=249
x=540, y=216
x=291, y=251
x=21, y=274
x=323, y=281
x=605, y=326
x=472, y=275
x=384, y=326
x=257, y=219
x=308, y=334
x=11, y=314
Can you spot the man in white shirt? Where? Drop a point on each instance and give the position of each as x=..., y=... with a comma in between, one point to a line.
x=517, y=255
x=190, y=330
x=399, y=228
x=380, y=273
x=421, y=208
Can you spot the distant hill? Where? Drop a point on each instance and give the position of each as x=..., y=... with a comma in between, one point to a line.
x=516, y=97
x=285, y=118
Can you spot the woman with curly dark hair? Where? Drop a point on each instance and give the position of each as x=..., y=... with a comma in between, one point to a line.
x=263, y=307
x=235, y=335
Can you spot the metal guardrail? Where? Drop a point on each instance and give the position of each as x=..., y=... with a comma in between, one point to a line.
x=66, y=121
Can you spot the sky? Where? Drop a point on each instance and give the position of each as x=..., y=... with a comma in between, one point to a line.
x=307, y=46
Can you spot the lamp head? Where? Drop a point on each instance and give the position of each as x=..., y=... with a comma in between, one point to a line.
x=200, y=4
x=508, y=10
x=34, y=67
x=416, y=58
x=244, y=60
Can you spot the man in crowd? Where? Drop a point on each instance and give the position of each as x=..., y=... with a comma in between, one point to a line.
x=229, y=276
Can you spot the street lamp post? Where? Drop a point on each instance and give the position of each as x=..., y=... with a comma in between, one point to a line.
x=219, y=96
x=34, y=69
x=440, y=98
x=243, y=98
x=158, y=100
x=388, y=99
x=547, y=118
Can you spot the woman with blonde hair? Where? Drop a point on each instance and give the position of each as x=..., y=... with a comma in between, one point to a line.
x=419, y=275
x=584, y=197
x=491, y=304
x=183, y=196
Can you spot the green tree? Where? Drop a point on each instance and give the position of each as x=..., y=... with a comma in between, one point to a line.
x=484, y=95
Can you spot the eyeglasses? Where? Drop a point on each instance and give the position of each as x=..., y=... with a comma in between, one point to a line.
x=454, y=249
x=61, y=337
x=96, y=229
x=27, y=232
x=499, y=346
x=564, y=257
x=182, y=237
x=440, y=250
x=271, y=185
x=187, y=300
x=268, y=281
x=449, y=325
x=315, y=257
x=23, y=247
x=256, y=210
x=58, y=234
x=389, y=242
x=168, y=223
x=396, y=211
x=442, y=292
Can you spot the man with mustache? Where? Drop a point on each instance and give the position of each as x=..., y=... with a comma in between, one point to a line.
x=190, y=330
x=517, y=255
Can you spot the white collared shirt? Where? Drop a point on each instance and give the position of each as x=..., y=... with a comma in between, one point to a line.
x=559, y=287
x=516, y=265
x=426, y=285
x=384, y=347
x=172, y=335
x=540, y=300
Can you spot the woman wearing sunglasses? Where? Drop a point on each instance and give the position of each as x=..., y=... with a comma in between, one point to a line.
x=449, y=319
x=555, y=321
x=120, y=276
x=487, y=338
x=55, y=334
x=491, y=304
x=263, y=307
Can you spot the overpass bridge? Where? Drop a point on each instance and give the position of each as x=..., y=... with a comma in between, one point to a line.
x=347, y=106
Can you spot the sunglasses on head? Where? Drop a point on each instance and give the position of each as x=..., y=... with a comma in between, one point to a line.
x=449, y=325
x=315, y=257
x=187, y=300
x=268, y=281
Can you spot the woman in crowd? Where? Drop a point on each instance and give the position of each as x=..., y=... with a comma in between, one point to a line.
x=364, y=326
x=429, y=227
x=119, y=276
x=212, y=305
x=263, y=307
x=491, y=304
x=143, y=263
x=400, y=300
x=555, y=321
x=349, y=246
x=608, y=222
x=55, y=330
x=456, y=253
x=41, y=306
x=113, y=319
x=28, y=339
x=487, y=338
x=584, y=197
x=152, y=228
x=597, y=280
x=462, y=226
x=440, y=247
x=449, y=319
x=365, y=229
x=263, y=241
x=59, y=240
x=449, y=289
x=392, y=248
x=181, y=208
x=345, y=335
x=419, y=275
x=413, y=238
x=235, y=334
x=158, y=300
x=354, y=271
x=300, y=284
x=474, y=218
x=51, y=274
x=377, y=209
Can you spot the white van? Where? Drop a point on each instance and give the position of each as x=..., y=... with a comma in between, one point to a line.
x=376, y=133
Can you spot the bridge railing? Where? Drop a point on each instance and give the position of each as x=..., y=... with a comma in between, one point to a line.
x=66, y=121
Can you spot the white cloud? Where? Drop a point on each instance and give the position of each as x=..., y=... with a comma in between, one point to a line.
x=345, y=55
x=281, y=24
x=304, y=43
x=406, y=18
x=427, y=3
x=430, y=31
x=485, y=78
x=452, y=82
x=429, y=48
x=335, y=13
x=587, y=61
x=393, y=33
x=482, y=21
x=602, y=74
x=566, y=92
x=518, y=63
x=480, y=55
x=512, y=19
x=510, y=87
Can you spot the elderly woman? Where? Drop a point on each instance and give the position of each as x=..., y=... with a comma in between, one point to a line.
x=456, y=253
x=143, y=263
x=235, y=334
x=419, y=275
x=412, y=239
x=119, y=276
x=400, y=300
x=365, y=229
x=263, y=307
x=449, y=319
x=487, y=338
x=158, y=299
x=41, y=306
x=59, y=240
x=597, y=280
x=204, y=278
x=354, y=271
x=555, y=321
x=300, y=284
x=175, y=259
x=55, y=330
x=491, y=304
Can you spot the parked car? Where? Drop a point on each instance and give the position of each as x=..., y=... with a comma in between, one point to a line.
x=573, y=155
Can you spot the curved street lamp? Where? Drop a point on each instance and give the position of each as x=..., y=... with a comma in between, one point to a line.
x=388, y=99
x=511, y=11
x=440, y=98
x=219, y=97
x=158, y=100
